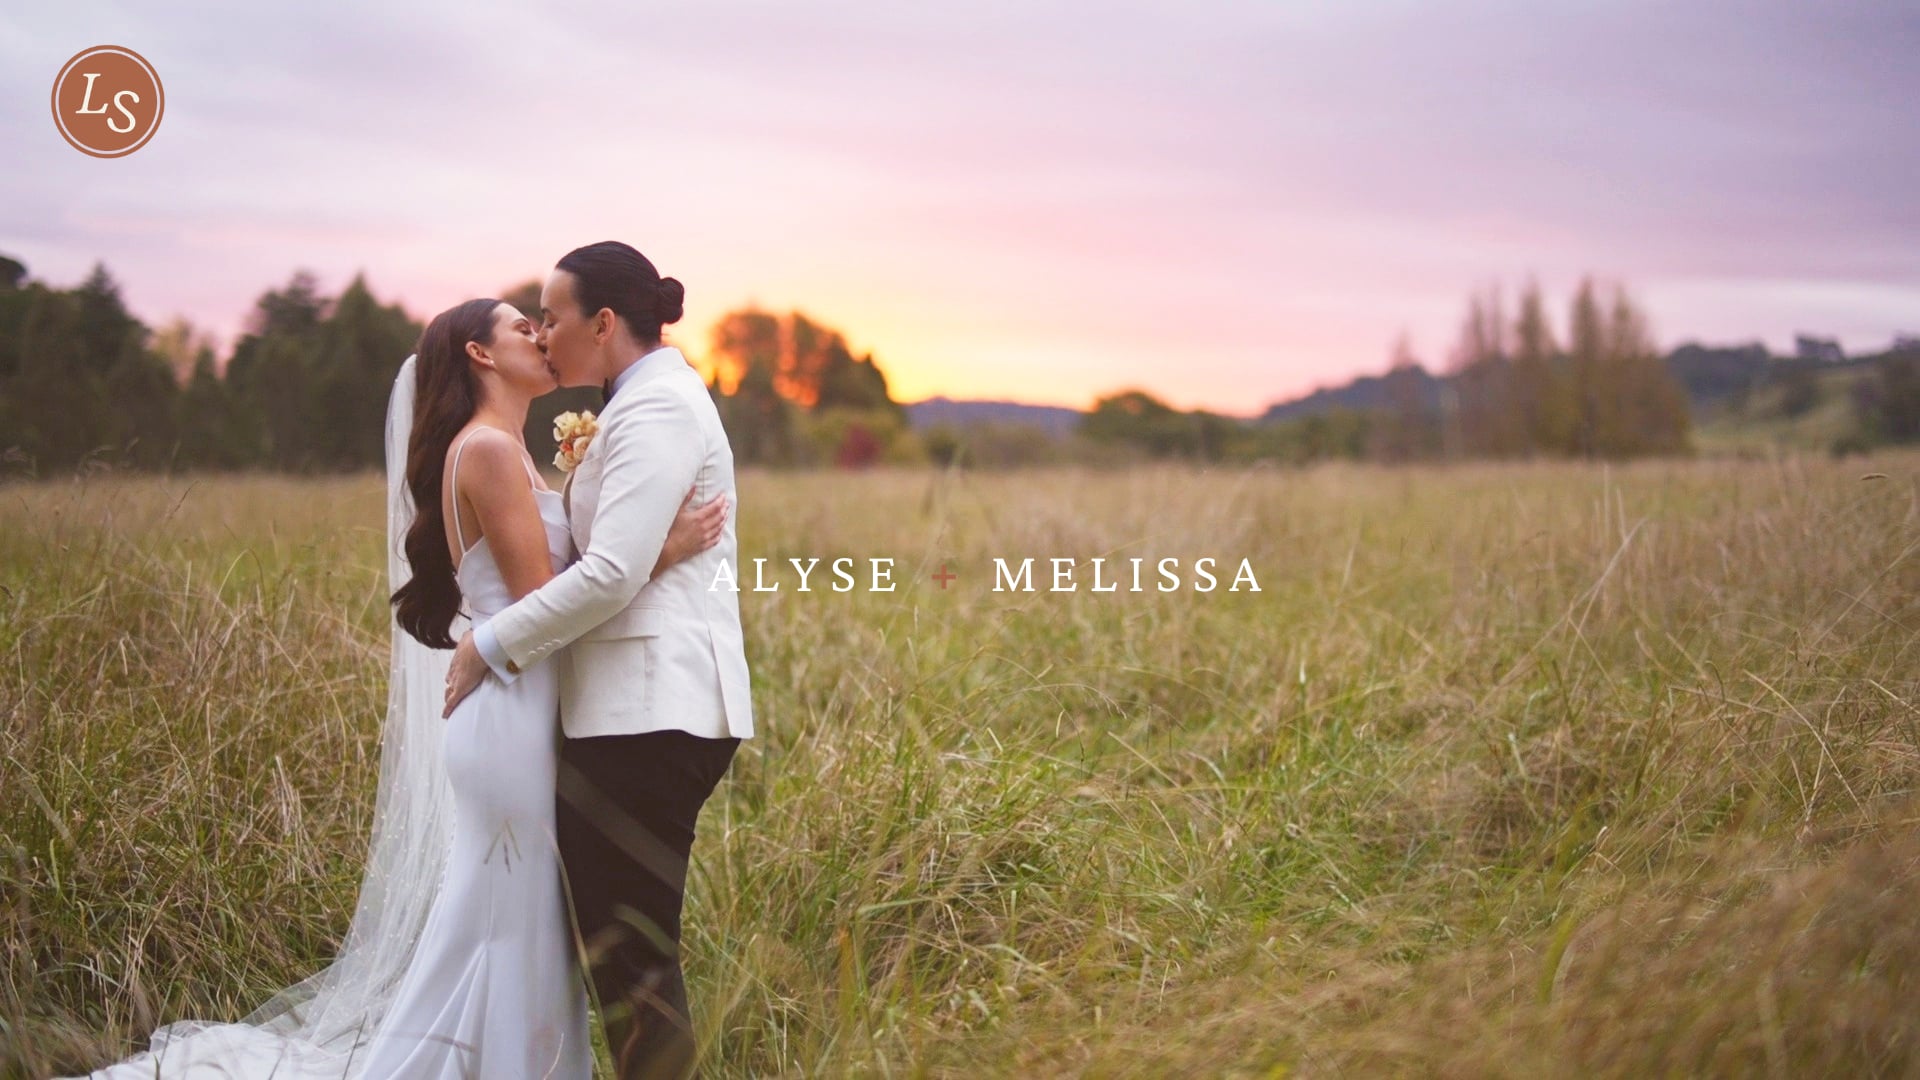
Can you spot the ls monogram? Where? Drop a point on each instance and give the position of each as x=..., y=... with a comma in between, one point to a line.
x=107, y=101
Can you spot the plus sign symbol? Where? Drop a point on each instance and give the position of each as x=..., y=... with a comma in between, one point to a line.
x=944, y=576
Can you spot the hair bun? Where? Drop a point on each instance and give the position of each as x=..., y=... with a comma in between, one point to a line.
x=669, y=300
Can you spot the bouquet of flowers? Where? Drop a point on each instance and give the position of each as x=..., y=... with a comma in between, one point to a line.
x=573, y=431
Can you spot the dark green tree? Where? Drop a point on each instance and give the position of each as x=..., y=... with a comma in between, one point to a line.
x=212, y=434
x=142, y=398
x=1137, y=419
x=58, y=401
x=357, y=350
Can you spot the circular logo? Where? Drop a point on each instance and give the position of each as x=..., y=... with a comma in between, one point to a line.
x=107, y=101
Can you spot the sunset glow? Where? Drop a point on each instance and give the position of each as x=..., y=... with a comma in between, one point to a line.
x=1036, y=202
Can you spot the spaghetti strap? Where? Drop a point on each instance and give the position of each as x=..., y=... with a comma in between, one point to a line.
x=453, y=482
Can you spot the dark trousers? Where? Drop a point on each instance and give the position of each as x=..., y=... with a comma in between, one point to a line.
x=626, y=807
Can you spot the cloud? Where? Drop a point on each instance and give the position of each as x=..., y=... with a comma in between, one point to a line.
x=1227, y=202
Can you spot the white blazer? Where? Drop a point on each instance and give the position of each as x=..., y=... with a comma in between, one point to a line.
x=642, y=655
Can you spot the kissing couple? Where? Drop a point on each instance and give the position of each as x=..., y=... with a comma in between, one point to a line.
x=540, y=784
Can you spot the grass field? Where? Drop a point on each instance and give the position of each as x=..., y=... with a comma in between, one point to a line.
x=1508, y=770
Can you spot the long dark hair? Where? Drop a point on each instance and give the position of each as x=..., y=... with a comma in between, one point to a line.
x=445, y=394
x=613, y=275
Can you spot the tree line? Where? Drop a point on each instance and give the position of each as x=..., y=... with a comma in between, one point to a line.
x=84, y=383
x=1515, y=388
x=1511, y=389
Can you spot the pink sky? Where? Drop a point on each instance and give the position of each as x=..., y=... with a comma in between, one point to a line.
x=1227, y=204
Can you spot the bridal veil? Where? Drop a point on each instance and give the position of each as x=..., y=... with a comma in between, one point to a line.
x=320, y=1027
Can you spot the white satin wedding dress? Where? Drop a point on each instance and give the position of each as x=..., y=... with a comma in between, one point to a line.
x=460, y=959
x=493, y=990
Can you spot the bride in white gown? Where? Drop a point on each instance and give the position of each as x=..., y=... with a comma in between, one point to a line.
x=460, y=960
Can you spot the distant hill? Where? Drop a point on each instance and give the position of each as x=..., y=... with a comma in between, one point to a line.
x=1365, y=392
x=1057, y=421
x=1712, y=375
x=1715, y=375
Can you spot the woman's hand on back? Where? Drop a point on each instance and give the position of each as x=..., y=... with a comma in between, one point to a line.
x=694, y=530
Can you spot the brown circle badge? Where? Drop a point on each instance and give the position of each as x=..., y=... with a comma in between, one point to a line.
x=107, y=101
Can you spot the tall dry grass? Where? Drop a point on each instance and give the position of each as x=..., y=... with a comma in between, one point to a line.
x=1507, y=770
